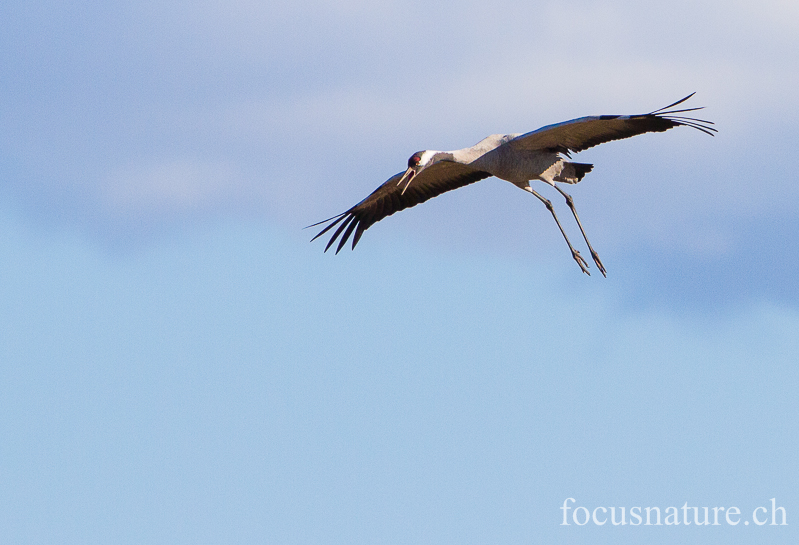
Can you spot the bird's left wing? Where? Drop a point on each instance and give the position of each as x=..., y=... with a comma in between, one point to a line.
x=585, y=132
x=389, y=198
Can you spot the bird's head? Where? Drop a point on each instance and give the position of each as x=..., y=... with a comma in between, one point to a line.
x=417, y=162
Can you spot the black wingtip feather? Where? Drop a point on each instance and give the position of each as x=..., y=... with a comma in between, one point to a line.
x=698, y=124
x=674, y=104
x=681, y=110
x=326, y=229
x=667, y=114
x=690, y=119
x=346, y=235
x=338, y=231
x=358, y=232
x=323, y=221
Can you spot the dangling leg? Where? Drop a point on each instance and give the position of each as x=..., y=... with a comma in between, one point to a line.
x=595, y=255
x=575, y=254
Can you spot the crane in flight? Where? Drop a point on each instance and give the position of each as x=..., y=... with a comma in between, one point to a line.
x=517, y=158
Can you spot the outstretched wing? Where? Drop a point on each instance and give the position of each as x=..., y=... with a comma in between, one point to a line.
x=388, y=198
x=585, y=132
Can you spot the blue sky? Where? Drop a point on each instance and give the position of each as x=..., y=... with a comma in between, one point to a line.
x=179, y=365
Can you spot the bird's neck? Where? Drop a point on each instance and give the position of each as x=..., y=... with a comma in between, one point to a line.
x=463, y=156
x=442, y=156
x=466, y=155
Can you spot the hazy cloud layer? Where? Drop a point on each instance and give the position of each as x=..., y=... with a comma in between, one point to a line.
x=122, y=119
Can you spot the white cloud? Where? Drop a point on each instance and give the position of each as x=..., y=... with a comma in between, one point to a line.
x=180, y=185
x=298, y=109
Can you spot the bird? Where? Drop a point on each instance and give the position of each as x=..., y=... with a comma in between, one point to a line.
x=540, y=155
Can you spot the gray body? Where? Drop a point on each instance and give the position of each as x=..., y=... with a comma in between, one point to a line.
x=515, y=164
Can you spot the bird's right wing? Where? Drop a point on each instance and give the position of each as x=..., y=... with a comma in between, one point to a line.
x=389, y=198
x=585, y=132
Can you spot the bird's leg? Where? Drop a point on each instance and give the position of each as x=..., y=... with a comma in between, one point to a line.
x=595, y=255
x=575, y=254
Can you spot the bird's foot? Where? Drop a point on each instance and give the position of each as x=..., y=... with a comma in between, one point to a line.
x=599, y=264
x=580, y=261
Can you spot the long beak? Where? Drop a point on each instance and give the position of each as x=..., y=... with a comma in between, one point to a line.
x=409, y=174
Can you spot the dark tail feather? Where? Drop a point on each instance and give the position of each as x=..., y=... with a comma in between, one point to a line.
x=573, y=172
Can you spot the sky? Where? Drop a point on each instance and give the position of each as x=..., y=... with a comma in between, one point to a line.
x=178, y=364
